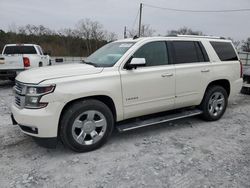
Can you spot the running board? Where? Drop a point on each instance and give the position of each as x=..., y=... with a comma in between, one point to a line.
x=122, y=127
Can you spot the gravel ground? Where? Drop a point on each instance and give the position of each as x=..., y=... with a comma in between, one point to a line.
x=185, y=153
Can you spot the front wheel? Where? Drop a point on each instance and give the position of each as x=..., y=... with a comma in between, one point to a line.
x=214, y=103
x=86, y=125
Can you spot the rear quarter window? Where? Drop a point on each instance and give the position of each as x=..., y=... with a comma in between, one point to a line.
x=189, y=52
x=225, y=51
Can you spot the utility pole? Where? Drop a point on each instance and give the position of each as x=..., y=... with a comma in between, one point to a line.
x=140, y=20
x=125, y=32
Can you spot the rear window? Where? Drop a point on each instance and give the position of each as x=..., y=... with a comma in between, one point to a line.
x=225, y=51
x=189, y=52
x=19, y=50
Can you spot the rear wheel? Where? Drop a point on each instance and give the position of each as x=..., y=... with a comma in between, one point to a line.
x=40, y=64
x=214, y=103
x=86, y=125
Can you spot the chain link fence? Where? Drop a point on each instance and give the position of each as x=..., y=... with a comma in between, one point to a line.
x=65, y=60
x=245, y=58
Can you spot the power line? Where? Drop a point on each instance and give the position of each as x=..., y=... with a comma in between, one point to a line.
x=133, y=26
x=197, y=11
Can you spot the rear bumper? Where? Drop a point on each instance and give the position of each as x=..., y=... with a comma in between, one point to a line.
x=236, y=87
x=9, y=73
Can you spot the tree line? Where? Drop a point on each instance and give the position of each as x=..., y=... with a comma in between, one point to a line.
x=82, y=40
x=86, y=37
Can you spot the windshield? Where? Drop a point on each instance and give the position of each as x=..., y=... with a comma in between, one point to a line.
x=109, y=54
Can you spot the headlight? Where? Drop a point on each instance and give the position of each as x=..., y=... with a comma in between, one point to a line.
x=40, y=90
x=35, y=93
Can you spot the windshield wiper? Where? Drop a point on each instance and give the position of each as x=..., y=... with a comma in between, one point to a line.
x=89, y=63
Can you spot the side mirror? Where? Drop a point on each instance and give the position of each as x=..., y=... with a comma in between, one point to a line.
x=136, y=62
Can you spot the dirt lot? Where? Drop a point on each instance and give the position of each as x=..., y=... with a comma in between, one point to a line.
x=184, y=153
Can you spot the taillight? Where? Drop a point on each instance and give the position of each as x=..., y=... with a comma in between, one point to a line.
x=26, y=62
x=241, y=69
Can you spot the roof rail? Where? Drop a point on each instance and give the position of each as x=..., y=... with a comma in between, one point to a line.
x=202, y=36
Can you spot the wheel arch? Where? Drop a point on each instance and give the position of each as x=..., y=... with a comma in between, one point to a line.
x=221, y=82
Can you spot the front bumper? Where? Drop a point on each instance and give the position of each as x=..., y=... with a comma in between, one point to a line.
x=41, y=123
x=44, y=142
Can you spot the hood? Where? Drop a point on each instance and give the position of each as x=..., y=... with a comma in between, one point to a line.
x=38, y=75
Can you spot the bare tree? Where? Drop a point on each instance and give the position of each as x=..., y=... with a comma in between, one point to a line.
x=146, y=31
x=132, y=33
x=236, y=43
x=246, y=45
x=110, y=36
x=184, y=31
x=34, y=30
x=91, y=31
x=68, y=32
x=12, y=28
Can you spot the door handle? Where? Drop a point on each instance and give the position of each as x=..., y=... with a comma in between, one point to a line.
x=205, y=70
x=167, y=75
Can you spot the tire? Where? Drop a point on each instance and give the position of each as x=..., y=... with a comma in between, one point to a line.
x=214, y=103
x=86, y=125
x=40, y=64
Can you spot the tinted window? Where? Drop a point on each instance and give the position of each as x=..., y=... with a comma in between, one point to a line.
x=155, y=53
x=189, y=52
x=20, y=50
x=225, y=51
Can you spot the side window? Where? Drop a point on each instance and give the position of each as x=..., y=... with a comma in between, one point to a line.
x=189, y=52
x=225, y=51
x=155, y=53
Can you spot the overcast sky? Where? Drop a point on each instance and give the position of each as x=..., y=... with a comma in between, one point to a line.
x=115, y=14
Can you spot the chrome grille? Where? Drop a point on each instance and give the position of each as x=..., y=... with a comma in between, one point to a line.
x=18, y=100
x=19, y=87
x=19, y=90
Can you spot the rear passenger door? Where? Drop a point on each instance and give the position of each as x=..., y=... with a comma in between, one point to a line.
x=193, y=71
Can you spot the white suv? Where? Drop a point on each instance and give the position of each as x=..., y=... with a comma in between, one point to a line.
x=127, y=84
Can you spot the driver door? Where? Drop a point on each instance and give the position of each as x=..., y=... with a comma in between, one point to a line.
x=151, y=88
